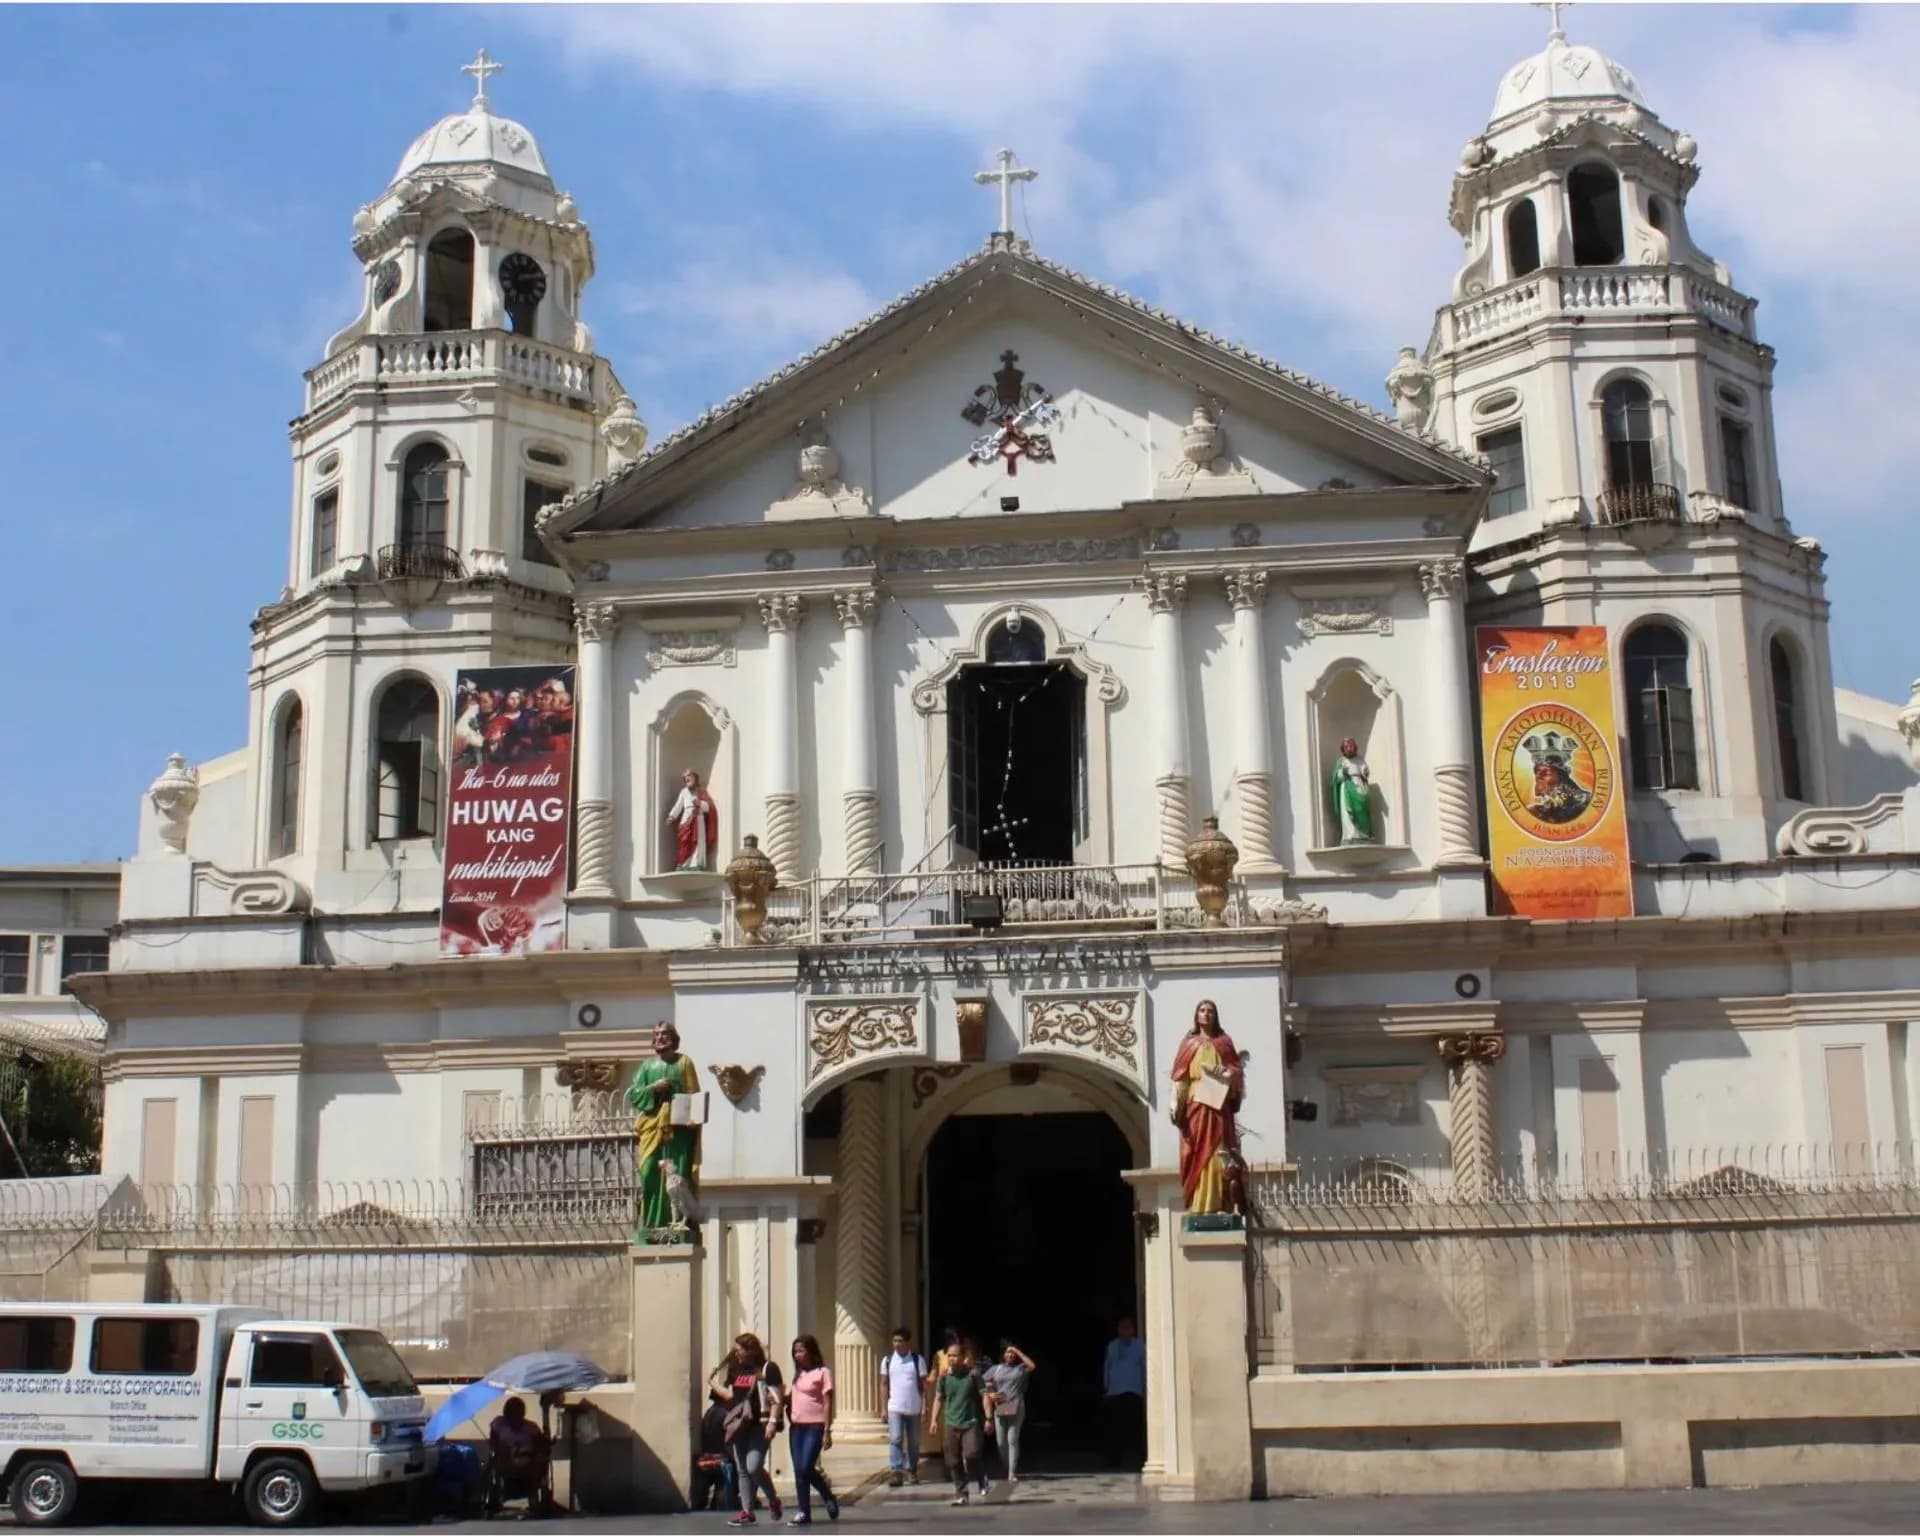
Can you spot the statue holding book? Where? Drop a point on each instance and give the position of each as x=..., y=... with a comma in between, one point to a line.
x=1208, y=1083
x=667, y=1114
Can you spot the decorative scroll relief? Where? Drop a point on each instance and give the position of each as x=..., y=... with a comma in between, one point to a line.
x=1389, y=1095
x=1879, y=826
x=691, y=648
x=1345, y=616
x=846, y=1032
x=248, y=892
x=1104, y=1028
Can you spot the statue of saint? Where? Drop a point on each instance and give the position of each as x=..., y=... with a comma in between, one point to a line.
x=696, y=824
x=1208, y=1082
x=1353, y=796
x=661, y=1142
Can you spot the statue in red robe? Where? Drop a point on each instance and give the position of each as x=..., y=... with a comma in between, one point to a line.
x=695, y=820
x=1208, y=1082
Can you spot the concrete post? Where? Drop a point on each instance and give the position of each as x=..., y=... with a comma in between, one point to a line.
x=1213, y=1306
x=666, y=1358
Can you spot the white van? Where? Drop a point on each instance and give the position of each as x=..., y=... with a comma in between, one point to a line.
x=233, y=1395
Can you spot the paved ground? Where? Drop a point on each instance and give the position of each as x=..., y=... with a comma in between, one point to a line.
x=1099, y=1504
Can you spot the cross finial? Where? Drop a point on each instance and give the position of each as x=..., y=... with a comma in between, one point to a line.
x=1006, y=175
x=480, y=68
x=1553, y=8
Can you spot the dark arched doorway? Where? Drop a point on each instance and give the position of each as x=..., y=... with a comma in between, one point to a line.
x=1030, y=1238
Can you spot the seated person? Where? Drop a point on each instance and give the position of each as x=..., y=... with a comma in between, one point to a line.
x=520, y=1455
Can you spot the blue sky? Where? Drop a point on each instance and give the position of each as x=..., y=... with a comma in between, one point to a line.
x=182, y=182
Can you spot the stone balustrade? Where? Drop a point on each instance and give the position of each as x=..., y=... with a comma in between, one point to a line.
x=441, y=356
x=1595, y=290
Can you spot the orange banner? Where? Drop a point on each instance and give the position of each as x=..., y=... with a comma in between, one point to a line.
x=1556, y=806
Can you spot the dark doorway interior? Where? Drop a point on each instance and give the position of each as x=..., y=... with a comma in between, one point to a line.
x=1030, y=1238
x=1016, y=761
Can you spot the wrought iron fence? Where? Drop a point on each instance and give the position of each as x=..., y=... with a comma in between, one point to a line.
x=1705, y=1254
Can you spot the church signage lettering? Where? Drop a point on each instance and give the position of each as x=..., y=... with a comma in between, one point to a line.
x=899, y=963
x=1556, y=813
x=974, y=557
x=509, y=811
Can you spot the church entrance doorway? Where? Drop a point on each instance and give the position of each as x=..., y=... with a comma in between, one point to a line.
x=1030, y=1238
x=1017, y=754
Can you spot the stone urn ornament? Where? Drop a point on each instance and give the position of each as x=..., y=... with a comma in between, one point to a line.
x=624, y=433
x=1211, y=858
x=752, y=879
x=1201, y=440
x=174, y=795
x=819, y=464
x=1410, y=388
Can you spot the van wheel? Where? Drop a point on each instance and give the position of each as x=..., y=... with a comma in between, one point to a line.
x=43, y=1492
x=279, y=1490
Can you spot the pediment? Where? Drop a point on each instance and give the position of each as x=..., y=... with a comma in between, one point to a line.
x=1009, y=384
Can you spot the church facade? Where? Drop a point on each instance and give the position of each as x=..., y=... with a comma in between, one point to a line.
x=968, y=620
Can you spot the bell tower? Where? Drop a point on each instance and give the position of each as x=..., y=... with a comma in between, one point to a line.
x=464, y=397
x=1613, y=376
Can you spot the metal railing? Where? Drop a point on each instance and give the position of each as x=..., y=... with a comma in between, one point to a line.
x=1649, y=501
x=417, y=562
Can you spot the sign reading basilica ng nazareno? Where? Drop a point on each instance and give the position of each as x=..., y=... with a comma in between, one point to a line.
x=509, y=811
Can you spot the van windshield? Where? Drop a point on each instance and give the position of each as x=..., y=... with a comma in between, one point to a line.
x=382, y=1373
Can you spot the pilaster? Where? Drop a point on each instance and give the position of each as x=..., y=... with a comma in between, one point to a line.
x=1166, y=597
x=861, y=796
x=1442, y=582
x=595, y=624
x=782, y=614
x=1253, y=785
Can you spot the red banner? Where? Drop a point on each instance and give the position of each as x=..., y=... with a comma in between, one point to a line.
x=509, y=812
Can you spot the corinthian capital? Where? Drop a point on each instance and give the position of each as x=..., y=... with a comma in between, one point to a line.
x=595, y=622
x=1442, y=579
x=856, y=608
x=781, y=612
x=1246, y=589
x=1166, y=594
x=1456, y=1050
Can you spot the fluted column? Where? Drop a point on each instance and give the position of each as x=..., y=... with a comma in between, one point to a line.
x=782, y=613
x=861, y=797
x=1451, y=713
x=1253, y=725
x=595, y=624
x=860, y=1252
x=1471, y=1135
x=1166, y=596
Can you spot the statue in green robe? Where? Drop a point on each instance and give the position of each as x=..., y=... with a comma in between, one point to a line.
x=1353, y=796
x=669, y=1154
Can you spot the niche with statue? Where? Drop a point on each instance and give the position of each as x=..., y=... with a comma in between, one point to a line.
x=694, y=813
x=1360, y=770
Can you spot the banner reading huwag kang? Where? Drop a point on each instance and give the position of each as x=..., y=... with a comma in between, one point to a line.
x=1556, y=812
x=509, y=811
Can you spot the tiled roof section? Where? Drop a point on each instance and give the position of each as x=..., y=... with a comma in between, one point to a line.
x=852, y=333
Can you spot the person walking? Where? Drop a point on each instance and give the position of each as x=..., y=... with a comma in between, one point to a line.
x=906, y=1378
x=962, y=1413
x=750, y=1386
x=1006, y=1401
x=810, y=1427
x=1123, y=1377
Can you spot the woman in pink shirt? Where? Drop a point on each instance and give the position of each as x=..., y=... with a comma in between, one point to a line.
x=810, y=1420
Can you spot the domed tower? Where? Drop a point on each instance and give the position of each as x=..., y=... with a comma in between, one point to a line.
x=463, y=399
x=1612, y=375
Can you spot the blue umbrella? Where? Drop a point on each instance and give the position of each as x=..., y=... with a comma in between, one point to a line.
x=544, y=1370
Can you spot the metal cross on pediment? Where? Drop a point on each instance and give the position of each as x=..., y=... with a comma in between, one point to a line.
x=1006, y=175
x=480, y=69
x=1553, y=8
x=1016, y=408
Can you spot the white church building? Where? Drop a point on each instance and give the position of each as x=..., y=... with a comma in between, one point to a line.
x=970, y=616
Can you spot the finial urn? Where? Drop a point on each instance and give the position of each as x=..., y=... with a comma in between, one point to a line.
x=174, y=795
x=1211, y=858
x=1410, y=388
x=1200, y=439
x=819, y=462
x=752, y=878
x=624, y=433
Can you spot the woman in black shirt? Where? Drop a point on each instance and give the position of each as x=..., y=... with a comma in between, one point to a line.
x=748, y=1383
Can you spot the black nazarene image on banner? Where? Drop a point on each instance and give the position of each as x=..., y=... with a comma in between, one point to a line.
x=509, y=812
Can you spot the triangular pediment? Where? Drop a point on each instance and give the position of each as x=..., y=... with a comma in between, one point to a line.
x=1009, y=378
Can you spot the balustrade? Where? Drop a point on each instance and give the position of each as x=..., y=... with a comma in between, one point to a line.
x=452, y=355
x=1598, y=290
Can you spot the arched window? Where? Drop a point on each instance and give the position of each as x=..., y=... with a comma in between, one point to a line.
x=423, y=496
x=1660, y=732
x=284, y=837
x=1523, y=238
x=1627, y=411
x=407, y=761
x=1593, y=201
x=449, y=305
x=1786, y=720
x=1657, y=214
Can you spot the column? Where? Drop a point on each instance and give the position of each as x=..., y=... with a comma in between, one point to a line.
x=860, y=1245
x=861, y=797
x=1471, y=1134
x=782, y=613
x=1166, y=596
x=1253, y=785
x=595, y=624
x=1451, y=713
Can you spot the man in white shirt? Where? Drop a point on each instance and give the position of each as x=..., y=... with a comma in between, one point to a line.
x=1124, y=1378
x=905, y=1376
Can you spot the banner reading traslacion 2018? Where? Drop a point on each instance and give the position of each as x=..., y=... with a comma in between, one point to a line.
x=509, y=812
x=1556, y=808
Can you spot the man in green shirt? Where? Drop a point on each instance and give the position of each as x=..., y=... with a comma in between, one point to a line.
x=961, y=1418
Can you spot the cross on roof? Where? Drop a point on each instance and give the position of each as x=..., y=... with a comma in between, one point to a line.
x=480, y=68
x=1553, y=8
x=1006, y=175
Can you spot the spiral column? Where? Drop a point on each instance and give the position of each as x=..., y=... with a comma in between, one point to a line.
x=595, y=624
x=861, y=797
x=860, y=1248
x=1253, y=785
x=1442, y=581
x=1466, y=1261
x=1166, y=596
x=782, y=613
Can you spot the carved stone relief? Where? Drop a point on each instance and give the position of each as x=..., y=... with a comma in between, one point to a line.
x=1100, y=1027
x=820, y=491
x=690, y=648
x=1389, y=1095
x=1206, y=464
x=1345, y=616
x=840, y=1033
